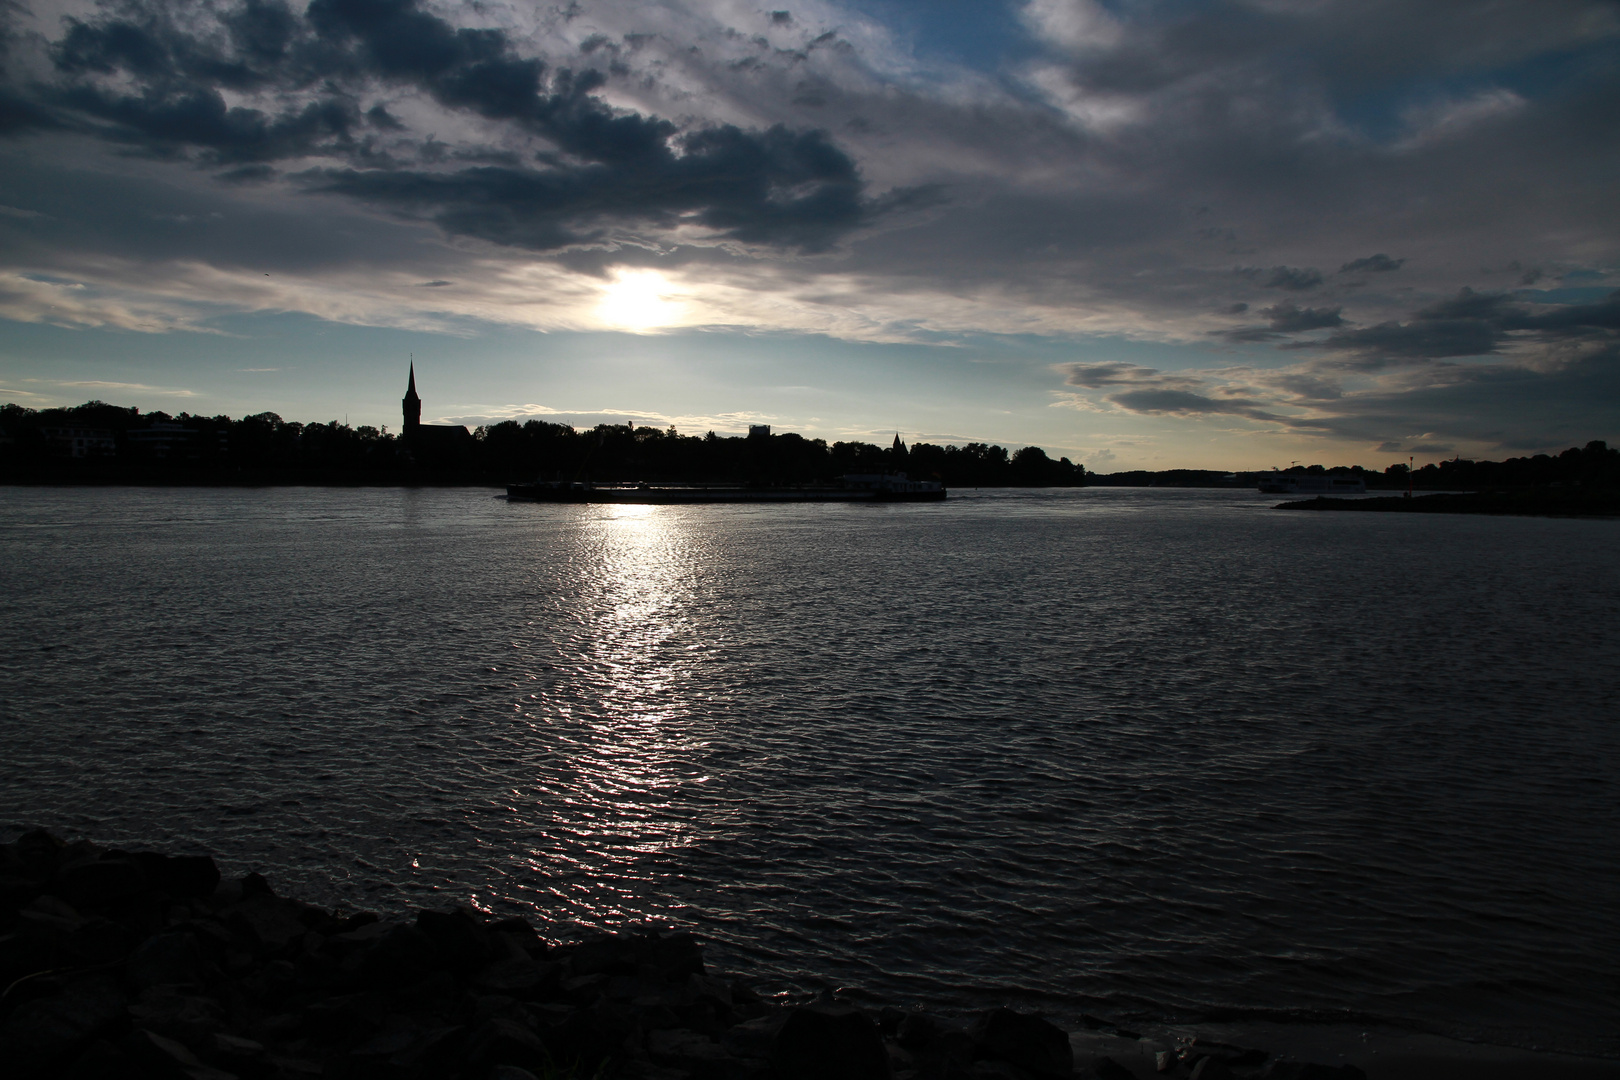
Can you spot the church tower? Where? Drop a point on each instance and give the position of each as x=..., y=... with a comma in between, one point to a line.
x=413, y=405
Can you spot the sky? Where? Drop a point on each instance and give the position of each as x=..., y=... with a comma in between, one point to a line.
x=1136, y=233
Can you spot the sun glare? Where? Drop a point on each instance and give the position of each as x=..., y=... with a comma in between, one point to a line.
x=636, y=301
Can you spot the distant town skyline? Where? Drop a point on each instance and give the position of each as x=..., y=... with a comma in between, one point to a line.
x=1136, y=234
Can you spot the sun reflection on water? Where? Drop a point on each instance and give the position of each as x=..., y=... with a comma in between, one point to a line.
x=623, y=723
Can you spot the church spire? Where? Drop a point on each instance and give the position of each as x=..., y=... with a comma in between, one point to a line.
x=412, y=403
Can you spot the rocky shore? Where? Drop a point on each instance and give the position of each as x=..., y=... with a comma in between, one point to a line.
x=139, y=964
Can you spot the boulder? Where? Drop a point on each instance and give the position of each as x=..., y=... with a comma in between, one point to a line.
x=916, y=1032
x=183, y=876
x=504, y=1042
x=98, y=1062
x=402, y=955
x=175, y=957
x=1238, y=1057
x=1210, y=1068
x=37, y=853
x=829, y=1040
x=191, y=1019
x=100, y=884
x=461, y=939
x=684, y=1047
x=271, y=924
x=517, y=976
x=41, y=1035
x=1310, y=1070
x=1109, y=1069
x=752, y=1038
x=1030, y=1042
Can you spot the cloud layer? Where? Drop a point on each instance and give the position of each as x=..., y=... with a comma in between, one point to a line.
x=1358, y=221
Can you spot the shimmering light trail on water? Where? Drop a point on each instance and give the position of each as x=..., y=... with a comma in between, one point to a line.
x=1148, y=753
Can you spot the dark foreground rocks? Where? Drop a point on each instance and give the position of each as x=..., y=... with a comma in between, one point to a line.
x=141, y=965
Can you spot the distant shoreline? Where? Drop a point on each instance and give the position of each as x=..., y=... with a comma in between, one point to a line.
x=1603, y=503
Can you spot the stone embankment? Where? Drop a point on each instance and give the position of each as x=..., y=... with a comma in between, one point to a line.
x=137, y=964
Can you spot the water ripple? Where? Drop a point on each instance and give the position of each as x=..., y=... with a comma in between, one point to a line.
x=1158, y=753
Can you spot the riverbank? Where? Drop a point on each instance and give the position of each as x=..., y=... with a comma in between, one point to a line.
x=140, y=964
x=1525, y=503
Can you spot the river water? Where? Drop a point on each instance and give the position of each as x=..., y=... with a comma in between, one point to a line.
x=1151, y=754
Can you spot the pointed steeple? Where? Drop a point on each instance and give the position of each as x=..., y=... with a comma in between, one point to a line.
x=899, y=447
x=412, y=403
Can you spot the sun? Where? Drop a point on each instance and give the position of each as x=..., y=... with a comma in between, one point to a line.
x=636, y=301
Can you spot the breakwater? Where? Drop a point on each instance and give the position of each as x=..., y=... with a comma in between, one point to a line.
x=141, y=964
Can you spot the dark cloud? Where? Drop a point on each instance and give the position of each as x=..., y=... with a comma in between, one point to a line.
x=1294, y=279
x=136, y=75
x=772, y=187
x=1419, y=340
x=1569, y=319
x=1467, y=304
x=1471, y=323
x=1110, y=373
x=1288, y=318
x=1393, y=446
x=247, y=174
x=1185, y=403
x=1372, y=264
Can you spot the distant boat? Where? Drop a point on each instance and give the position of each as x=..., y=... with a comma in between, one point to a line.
x=1311, y=484
x=854, y=487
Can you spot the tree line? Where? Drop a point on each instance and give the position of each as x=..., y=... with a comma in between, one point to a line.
x=109, y=442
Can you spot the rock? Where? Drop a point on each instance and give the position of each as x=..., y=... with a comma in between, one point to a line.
x=408, y=1050
x=1309, y=1070
x=461, y=939
x=1109, y=1069
x=517, y=976
x=511, y=1072
x=37, y=853
x=1238, y=1057
x=602, y=956
x=100, y=884
x=1028, y=1041
x=677, y=955
x=821, y=1041
x=1210, y=1068
x=179, y=875
x=101, y=1060
x=404, y=954
x=160, y=1054
x=503, y=1042
x=239, y=1054
x=190, y=1019
x=46, y=1032
x=682, y=1046
x=253, y=884
x=23, y=954
x=917, y=1032
x=752, y=1038
x=167, y=958
x=271, y=924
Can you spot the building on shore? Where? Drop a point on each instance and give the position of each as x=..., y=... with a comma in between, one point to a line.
x=432, y=445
